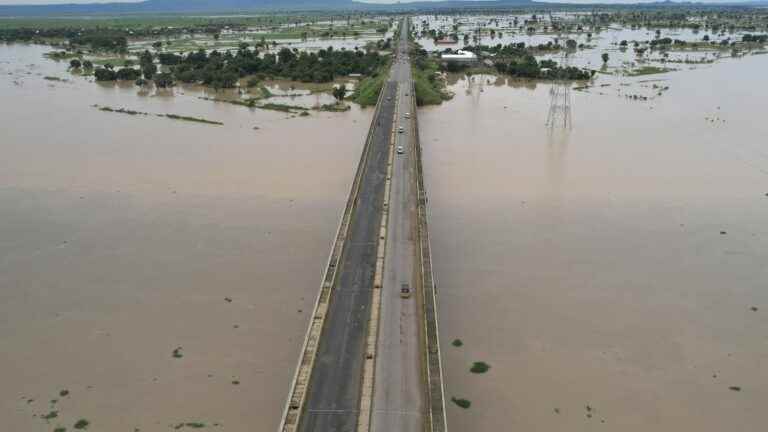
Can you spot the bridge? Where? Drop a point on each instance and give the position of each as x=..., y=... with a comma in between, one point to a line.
x=371, y=356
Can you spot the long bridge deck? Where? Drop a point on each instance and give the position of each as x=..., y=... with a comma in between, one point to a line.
x=371, y=359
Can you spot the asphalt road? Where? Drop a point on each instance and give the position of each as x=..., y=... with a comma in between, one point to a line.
x=398, y=391
x=334, y=390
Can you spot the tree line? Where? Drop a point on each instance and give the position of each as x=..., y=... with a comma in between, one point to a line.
x=517, y=60
x=224, y=69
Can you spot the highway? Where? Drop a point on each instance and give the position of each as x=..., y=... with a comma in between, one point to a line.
x=333, y=396
x=398, y=388
x=334, y=390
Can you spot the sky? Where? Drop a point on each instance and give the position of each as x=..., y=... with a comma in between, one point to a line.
x=31, y=2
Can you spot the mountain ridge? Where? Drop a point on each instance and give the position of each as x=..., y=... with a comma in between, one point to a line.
x=233, y=6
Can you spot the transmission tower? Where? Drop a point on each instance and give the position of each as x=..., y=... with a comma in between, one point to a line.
x=559, y=116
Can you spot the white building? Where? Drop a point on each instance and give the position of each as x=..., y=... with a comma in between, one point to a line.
x=460, y=56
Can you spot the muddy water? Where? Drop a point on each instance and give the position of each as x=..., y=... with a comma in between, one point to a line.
x=614, y=266
x=125, y=237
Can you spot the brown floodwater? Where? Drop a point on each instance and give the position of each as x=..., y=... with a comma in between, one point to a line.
x=607, y=273
x=125, y=237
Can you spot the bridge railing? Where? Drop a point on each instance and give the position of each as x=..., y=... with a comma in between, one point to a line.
x=436, y=414
x=294, y=405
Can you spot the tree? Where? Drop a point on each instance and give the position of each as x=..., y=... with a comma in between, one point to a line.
x=340, y=92
x=571, y=44
x=87, y=64
x=605, y=57
x=128, y=74
x=163, y=80
x=149, y=70
x=104, y=74
x=75, y=64
x=157, y=45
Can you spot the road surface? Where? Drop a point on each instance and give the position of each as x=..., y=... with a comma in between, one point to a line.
x=399, y=386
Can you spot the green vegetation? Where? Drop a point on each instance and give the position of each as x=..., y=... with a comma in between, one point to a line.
x=457, y=343
x=340, y=92
x=223, y=70
x=82, y=424
x=281, y=107
x=430, y=87
x=647, y=70
x=480, y=367
x=249, y=102
x=177, y=352
x=518, y=61
x=51, y=415
x=191, y=119
x=367, y=91
x=337, y=107
x=193, y=425
x=52, y=78
x=461, y=403
x=60, y=429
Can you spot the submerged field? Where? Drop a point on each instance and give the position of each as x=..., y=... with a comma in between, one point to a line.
x=611, y=273
x=158, y=272
x=161, y=247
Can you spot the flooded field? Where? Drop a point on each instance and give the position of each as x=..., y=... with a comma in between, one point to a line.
x=613, y=276
x=593, y=42
x=154, y=271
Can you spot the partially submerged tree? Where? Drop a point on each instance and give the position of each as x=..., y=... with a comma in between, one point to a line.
x=340, y=92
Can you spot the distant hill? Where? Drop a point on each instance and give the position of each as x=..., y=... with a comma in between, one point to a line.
x=233, y=6
x=174, y=6
x=211, y=6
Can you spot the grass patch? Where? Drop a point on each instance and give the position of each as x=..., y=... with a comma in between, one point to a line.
x=121, y=110
x=461, y=403
x=82, y=424
x=250, y=102
x=457, y=343
x=480, y=367
x=430, y=87
x=60, y=429
x=336, y=107
x=195, y=425
x=647, y=70
x=367, y=91
x=281, y=107
x=191, y=119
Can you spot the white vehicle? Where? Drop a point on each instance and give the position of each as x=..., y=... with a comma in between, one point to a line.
x=407, y=115
x=401, y=129
x=400, y=150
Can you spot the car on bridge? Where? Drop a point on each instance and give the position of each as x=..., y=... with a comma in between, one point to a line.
x=400, y=150
x=405, y=291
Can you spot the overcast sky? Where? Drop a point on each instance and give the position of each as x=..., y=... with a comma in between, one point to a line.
x=6, y=2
